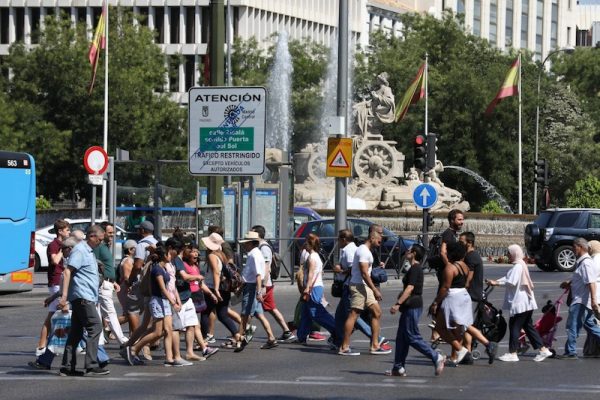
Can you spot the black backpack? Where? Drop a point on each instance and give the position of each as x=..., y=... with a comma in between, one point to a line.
x=276, y=261
x=231, y=279
x=434, y=256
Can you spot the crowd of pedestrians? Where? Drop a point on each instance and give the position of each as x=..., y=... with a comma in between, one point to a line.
x=165, y=291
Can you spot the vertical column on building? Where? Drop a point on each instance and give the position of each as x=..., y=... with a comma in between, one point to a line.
x=501, y=20
x=518, y=10
x=546, y=33
x=166, y=25
x=181, y=38
x=12, y=32
x=197, y=41
x=73, y=12
x=151, y=17
x=88, y=23
x=469, y=14
x=27, y=26
x=485, y=20
x=532, y=25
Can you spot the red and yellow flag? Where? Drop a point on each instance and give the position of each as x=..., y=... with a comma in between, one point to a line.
x=98, y=43
x=415, y=92
x=510, y=87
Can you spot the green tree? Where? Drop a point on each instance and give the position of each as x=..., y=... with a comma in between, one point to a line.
x=60, y=119
x=585, y=194
x=492, y=207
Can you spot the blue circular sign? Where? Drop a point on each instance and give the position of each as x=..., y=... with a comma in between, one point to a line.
x=425, y=195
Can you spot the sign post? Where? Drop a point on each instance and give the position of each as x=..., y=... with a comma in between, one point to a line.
x=226, y=133
x=425, y=196
x=95, y=161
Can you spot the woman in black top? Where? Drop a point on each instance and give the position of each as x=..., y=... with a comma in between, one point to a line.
x=410, y=304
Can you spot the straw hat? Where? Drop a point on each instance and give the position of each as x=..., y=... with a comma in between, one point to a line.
x=213, y=241
x=250, y=237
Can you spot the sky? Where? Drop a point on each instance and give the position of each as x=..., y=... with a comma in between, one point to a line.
x=586, y=2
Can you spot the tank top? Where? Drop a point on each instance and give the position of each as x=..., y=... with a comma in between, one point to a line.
x=460, y=280
x=209, y=278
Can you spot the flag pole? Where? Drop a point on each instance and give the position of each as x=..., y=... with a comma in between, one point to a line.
x=105, y=131
x=426, y=94
x=520, y=146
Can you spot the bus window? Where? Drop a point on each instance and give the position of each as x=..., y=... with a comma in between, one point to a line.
x=17, y=222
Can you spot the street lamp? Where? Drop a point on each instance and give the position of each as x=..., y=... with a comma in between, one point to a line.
x=567, y=50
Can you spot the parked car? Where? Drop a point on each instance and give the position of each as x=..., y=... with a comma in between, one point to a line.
x=304, y=214
x=45, y=235
x=549, y=239
x=392, y=248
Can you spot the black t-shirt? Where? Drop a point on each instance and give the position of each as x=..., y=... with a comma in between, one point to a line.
x=413, y=277
x=475, y=264
x=183, y=286
x=448, y=236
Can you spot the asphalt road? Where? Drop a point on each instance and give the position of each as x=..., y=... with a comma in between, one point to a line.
x=296, y=372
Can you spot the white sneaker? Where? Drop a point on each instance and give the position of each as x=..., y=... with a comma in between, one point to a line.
x=461, y=354
x=509, y=357
x=39, y=351
x=542, y=355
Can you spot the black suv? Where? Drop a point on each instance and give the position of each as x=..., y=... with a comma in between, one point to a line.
x=549, y=239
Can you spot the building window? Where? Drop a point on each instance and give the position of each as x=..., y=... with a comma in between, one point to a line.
x=508, y=32
x=35, y=24
x=460, y=7
x=494, y=22
x=20, y=23
x=205, y=25
x=189, y=72
x=174, y=62
x=554, y=26
x=143, y=13
x=477, y=17
x=190, y=25
x=539, y=29
x=3, y=25
x=568, y=35
x=524, y=23
x=80, y=13
x=159, y=23
x=174, y=24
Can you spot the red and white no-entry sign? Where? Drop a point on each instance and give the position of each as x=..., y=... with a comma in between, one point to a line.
x=95, y=160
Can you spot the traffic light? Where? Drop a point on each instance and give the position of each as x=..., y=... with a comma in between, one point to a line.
x=420, y=152
x=542, y=172
x=431, y=150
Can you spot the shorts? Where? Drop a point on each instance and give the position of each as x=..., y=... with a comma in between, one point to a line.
x=159, y=307
x=134, y=302
x=250, y=305
x=53, y=306
x=361, y=296
x=268, y=303
x=187, y=316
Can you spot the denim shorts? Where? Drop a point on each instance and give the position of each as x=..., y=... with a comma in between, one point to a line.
x=250, y=305
x=159, y=307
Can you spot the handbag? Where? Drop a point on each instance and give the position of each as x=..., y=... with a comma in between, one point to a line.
x=199, y=301
x=337, y=288
x=378, y=275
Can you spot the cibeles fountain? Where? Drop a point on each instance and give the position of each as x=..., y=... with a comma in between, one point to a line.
x=379, y=180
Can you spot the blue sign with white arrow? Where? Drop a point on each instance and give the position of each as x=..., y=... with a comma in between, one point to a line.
x=425, y=195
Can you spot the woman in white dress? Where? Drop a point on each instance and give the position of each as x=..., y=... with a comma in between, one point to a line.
x=520, y=301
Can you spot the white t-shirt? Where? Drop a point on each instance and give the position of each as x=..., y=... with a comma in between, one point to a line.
x=596, y=259
x=265, y=249
x=516, y=298
x=317, y=277
x=346, y=258
x=255, y=265
x=362, y=255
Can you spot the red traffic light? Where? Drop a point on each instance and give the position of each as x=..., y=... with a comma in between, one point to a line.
x=419, y=140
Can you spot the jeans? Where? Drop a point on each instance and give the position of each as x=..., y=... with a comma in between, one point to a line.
x=579, y=317
x=341, y=315
x=523, y=321
x=314, y=311
x=84, y=316
x=221, y=311
x=408, y=335
x=48, y=356
x=107, y=309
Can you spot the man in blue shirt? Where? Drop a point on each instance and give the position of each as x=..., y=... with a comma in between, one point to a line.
x=80, y=287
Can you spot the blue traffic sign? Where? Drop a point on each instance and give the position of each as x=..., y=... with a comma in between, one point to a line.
x=425, y=195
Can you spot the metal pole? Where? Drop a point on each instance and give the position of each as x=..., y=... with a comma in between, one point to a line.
x=157, y=204
x=341, y=184
x=520, y=146
x=537, y=135
x=228, y=39
x=111, y=201
x=105, y=131
x=93, y=220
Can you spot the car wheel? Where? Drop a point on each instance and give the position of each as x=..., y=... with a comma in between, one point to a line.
x=564, y=259
x=38, y=264
x=546, y=267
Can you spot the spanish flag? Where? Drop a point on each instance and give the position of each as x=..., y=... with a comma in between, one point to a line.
x=415, y=92
x=98, y=43
x=510, y=87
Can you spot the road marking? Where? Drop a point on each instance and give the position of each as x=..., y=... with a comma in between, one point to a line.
x=317, y=378
x=147, y=374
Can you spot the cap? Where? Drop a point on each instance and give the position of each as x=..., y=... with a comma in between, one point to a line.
x=129, y=244
x=147, y=226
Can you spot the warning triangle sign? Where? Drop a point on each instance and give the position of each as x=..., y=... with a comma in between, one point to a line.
x=339, y=161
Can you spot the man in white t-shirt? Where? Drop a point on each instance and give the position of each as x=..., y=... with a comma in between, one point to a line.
x=268, y=303
x=364, y=293
x=583, y=290
x=253, y=293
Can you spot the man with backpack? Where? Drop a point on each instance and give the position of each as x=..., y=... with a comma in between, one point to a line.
x=269, y=297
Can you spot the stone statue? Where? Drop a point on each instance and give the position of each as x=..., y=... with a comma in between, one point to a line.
x=371, y=114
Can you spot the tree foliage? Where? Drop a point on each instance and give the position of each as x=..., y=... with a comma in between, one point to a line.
x=585, y=194
x=55, y=119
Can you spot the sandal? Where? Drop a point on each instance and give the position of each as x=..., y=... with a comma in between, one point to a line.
x=395, y=372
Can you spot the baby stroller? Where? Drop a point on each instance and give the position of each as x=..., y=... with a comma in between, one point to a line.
x=489, y=320
x=546, y=325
